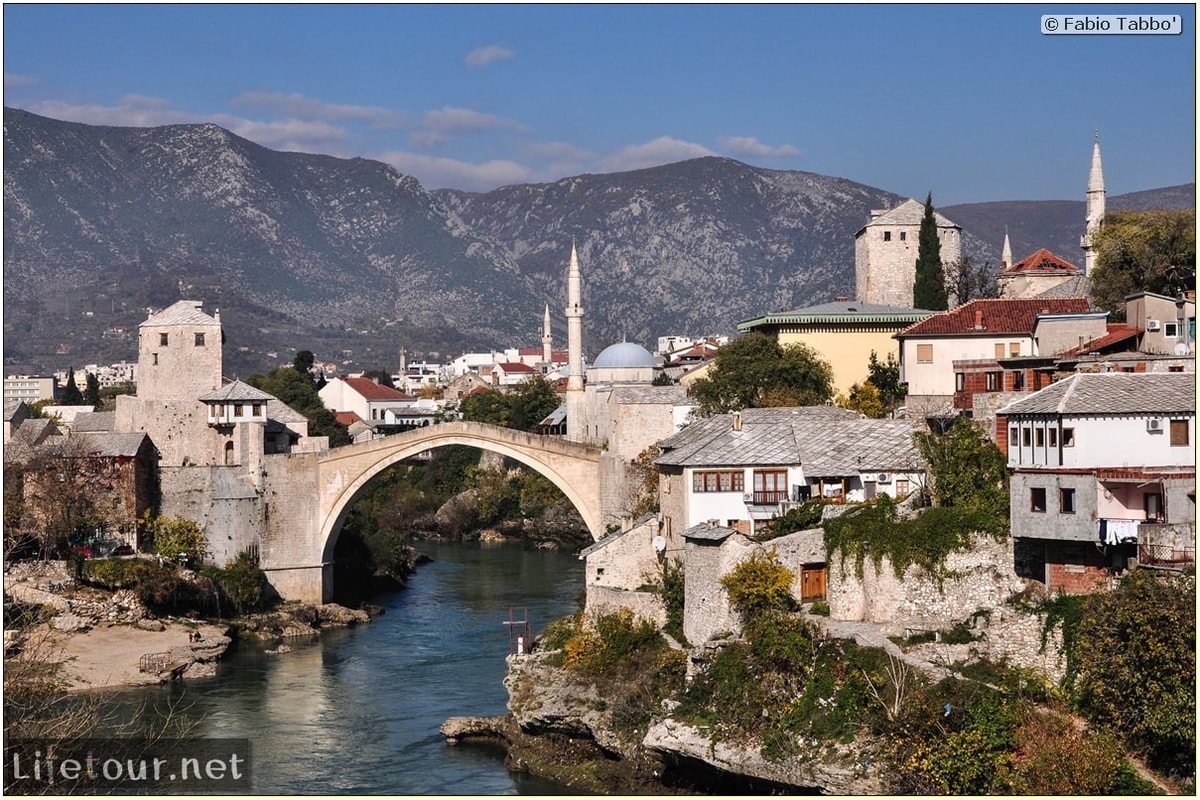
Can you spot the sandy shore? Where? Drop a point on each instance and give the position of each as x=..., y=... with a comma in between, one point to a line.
x=108, y=657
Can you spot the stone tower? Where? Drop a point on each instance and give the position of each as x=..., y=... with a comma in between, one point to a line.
x=1006, y=252
x=1095, y=208
x=576, y=423
x=547, y=350
x=885, y=253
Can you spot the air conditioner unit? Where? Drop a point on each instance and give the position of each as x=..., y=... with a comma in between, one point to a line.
x=1153, y=324
x=746, y=498
x=884, y=477
x=1154, y=424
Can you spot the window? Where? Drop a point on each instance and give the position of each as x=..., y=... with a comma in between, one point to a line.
x=902, y=487
x=1018, y=381
x=154, y=359
x=1170, y=330
x=995, y=381
x=1066, y=501
x=257, y=409
x=770, y=486
x=999, y=349
x=887, y=236
x=1037, y=499
x=718, y=481
x=1039, y=437
x=1053, y=433
x=1174, y=369
x=1179, y=433
x=1068, y=437
x=199, y=340
x=1014, y=349
x=1026, y=436
x=960, y=382
x=903, y=235
x=238, y=409
x=1013, y=437
x=162, y=340
x=924, y=354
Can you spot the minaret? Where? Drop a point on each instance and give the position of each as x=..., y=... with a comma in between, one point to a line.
x=1006, y=252
x=576, y=424
x=1095, y=208
x=547, y=351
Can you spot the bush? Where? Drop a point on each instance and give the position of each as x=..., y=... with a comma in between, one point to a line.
x=758, y=584
x=241, y=583
x=175, y=538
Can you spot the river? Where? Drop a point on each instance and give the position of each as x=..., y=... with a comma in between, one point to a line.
x=357, y=711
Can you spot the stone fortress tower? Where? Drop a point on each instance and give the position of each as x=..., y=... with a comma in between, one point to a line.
x=885, y=253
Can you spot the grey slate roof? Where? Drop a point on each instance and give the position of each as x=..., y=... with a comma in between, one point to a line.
x=650, y=395
x=95, y=422
x=708, y=532
x=1111, y=393
x=280, y=411
x=1078, y=286
x=112, y=445
x=910, y=212
x=184, y=312
x=236, y=391
x=824, y=440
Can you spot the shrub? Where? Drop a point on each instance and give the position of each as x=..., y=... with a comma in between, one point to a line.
x=242, y=583
x=175, y=538
x=760, y=583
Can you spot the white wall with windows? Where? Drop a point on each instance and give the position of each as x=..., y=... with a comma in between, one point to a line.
x=1099, y=441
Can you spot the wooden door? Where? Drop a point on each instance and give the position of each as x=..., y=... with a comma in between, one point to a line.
x=812, y=582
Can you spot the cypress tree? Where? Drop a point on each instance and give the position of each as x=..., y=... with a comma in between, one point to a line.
x=929, y=287
x=71, y=396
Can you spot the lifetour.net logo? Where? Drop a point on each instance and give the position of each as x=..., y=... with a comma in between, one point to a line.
x=117, y=766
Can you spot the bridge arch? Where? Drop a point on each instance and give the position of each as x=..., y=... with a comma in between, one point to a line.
x=345, y=471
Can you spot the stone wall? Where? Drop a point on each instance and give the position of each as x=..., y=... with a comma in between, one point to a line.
x=610, y=600
x=980, y=578
x=706, y=609
x=290, y=554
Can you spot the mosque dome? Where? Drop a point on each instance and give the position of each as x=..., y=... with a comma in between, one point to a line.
x=624, y=355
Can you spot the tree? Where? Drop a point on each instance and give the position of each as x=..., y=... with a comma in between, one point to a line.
x=754, y=371
x=971, y=282
x=296, y=389
x=91, y=395
x=885, y=376
x=489, y=406
x=1143, y=251
x=1136, y=654
x=61, y=491
x=381, y=376
x=966, y=468
x=303, y=362
x=929, y=286
x=71, y=396
x=175, y=538
x=863, y=398
x=532, y=402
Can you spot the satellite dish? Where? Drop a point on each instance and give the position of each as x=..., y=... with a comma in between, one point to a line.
x=659, y=543
x=1182, y=349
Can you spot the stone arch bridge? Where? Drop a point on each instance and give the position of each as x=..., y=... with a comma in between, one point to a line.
x=343, y=473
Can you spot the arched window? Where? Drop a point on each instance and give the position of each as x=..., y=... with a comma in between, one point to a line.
x=229, y=454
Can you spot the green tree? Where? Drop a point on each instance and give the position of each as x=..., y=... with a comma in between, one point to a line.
x=532, y=402
x=1143, y=251
x=885, y=376
x=1136, y=655
x=71, y=396
x=296, y=389
x=965, y=468
x=380, y=376
x=759, y=584
x=304, y=360
x=489, y=406
x=863, y=398
x=754, y=371
x=91, y=395
x=175, y=538
x=929, y=286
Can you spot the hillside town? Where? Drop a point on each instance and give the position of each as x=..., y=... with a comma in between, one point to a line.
x=1095, y=421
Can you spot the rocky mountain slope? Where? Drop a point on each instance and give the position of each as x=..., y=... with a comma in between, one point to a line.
x=354, y=261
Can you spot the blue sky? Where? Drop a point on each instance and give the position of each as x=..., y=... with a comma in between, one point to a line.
x=971, y=102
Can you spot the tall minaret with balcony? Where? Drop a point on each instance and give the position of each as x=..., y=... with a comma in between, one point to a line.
x=1095, y=209
x=576, y=424
x=547, y=349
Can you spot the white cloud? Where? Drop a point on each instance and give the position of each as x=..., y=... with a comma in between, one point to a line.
x=663, y=150
x=307, y=108
x=484, y=56
x=12, y=80
x=305, y=136
x=131, y=110
x=439, y=173
x=751, y=146
x=464, y=120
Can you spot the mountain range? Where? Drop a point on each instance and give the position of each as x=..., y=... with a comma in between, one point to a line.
x=354, y=261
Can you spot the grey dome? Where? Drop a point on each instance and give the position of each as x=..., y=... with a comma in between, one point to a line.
x=624, y=355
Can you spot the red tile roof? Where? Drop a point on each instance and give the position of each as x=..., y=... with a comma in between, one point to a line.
x=513, y=367
x=347, y=418
x=1042, y=261
x=992, y=317
x=1116, y=333
x=371, y=390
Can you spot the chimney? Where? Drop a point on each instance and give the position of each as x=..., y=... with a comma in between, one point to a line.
x=979, y=319
x=841, y=299
x=737, y=420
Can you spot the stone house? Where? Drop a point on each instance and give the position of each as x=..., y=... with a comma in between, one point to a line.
x=743, y=469
x=844, y=332
x=1034, y=275
x=1103, y=472
x=621, y=566
x=978, y=330
x=366, y=397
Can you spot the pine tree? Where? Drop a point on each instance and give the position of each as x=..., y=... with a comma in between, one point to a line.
x=929, y=287
x=71, y=396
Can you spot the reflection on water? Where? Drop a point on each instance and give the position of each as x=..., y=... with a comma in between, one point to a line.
x=358, y=711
